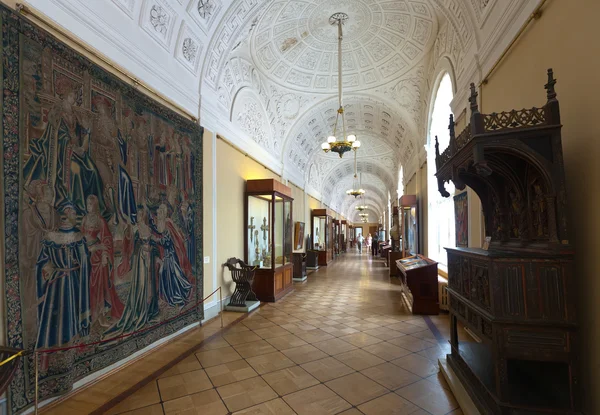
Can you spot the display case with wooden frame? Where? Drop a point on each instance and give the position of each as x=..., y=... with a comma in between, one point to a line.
x=336, y=237
x=410, y=225
x=518, y=296
x=322, y=231
x=344, y=236
x=419, y=279
x=268, y=241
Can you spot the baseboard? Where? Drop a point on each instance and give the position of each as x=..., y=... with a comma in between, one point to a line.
x=211, y=310
x=460, y=393
x=304, y=278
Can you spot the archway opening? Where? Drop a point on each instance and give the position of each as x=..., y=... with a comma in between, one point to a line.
x=440, y=214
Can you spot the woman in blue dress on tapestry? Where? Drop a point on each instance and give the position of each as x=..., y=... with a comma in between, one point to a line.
x=142, y=301
x=63, y=283
x=174, y=286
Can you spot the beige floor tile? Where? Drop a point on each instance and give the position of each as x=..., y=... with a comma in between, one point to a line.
x=184, y=384
x=439, y=380
x=361, y=339
x=356, y=388
x=417, y=364
x=317, y=400
x=327, y=369
x=216, y=357
x=387, y=351
x=339, y=330
x=287, y=342
x=156, y=409
x=334, y=346
x=436, y=352
x=352, y=411
x=254, y=348
x=258, y=324
x=203, y=403
x=384, y=333
x=304, y=354
x=298, y=327
x=274, y=407
x=390, y=376
x=314, y=336
x=290, y=380
x=359, y=359
x=237, y=328
x=247, y=393
x=283, y=319
x=390, y=404
x=240, y=338
x=215, y=343
x=188, y=364
x=436, y=400
x=270, y=332
x=269, y=362
x=230, y=372
x=146, y=396
x=412, y=343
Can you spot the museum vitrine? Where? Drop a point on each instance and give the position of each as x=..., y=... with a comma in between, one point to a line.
x=418, y=277
x=410, y=225
x=269, y=233
x=344, y=236
x=322, y=230
x=336, y=237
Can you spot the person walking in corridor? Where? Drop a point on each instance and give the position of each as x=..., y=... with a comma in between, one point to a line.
x=360, y=241
x=369, y=242
x=374, y=244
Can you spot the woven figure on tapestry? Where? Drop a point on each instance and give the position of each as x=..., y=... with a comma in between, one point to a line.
x=243, y=278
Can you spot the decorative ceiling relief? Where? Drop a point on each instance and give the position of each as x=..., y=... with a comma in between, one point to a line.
x=158, y=20
x=295, y=45
x=250, y=116
x=189, y=48
x=204, y=12
x=128, y=6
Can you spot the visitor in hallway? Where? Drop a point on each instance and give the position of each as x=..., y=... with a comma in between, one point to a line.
x=374, y=244
x=369, y=242
x=359, y=242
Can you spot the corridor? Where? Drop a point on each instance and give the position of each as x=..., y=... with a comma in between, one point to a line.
x=342, y=343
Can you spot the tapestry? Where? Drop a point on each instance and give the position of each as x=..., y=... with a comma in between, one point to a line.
x=102, y=190
x=461, y=218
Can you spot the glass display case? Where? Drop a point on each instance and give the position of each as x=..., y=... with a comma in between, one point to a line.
x=336, y=237
x=410, y=225
x=269, y=233
x=322, y=230
x=344, y=236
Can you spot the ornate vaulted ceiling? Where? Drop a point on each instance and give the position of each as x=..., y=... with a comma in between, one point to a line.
x=264, y=73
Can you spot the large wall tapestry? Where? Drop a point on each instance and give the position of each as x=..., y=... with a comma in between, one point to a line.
x=103, y=213
x=461, y=217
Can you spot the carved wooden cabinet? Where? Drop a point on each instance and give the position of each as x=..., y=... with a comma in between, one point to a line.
x=517, y=297
x=268, y=242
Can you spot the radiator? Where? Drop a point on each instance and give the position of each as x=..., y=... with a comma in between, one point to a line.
x=443, y=294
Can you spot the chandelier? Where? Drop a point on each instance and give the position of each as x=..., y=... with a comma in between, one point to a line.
x=347, y=142
x=356, y=190
x=361, y=208
x=363, y=215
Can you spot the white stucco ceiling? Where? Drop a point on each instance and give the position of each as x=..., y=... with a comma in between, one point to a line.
x=263, y=73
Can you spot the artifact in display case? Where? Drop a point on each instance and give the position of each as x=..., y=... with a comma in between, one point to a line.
x=336, y=237
x=299, y=236
x=419, y=279
x=322, y=224
x=268, y=228
x=517, y=297
x=410, y=225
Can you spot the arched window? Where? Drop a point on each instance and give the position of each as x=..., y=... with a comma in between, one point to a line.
x=440, y=214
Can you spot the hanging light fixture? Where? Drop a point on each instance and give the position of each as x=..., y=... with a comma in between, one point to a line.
x=347, y=142
x=360, y=208
x=356, y=190
x=363, y=215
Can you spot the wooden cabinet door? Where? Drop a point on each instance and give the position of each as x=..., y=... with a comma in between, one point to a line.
x=279, y=283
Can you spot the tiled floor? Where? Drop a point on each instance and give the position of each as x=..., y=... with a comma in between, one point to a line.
x=342, y=343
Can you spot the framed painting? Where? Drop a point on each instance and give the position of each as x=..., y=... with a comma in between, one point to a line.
x=299, y=236
x=102, y=192
x=461, y=217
